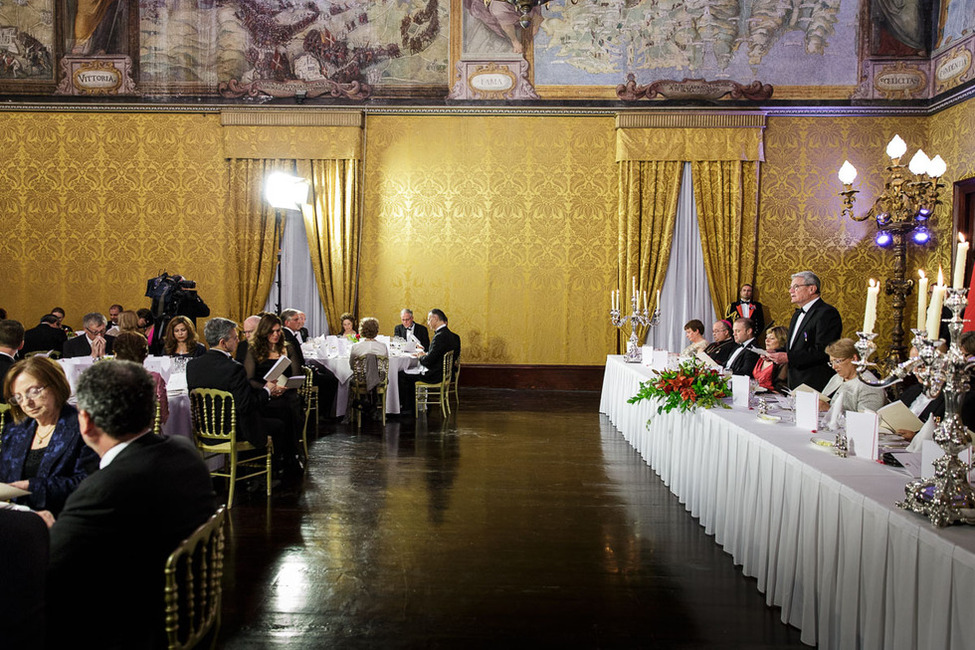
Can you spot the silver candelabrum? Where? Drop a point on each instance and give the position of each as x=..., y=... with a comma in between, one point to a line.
x=948, y=498
x=634, y=353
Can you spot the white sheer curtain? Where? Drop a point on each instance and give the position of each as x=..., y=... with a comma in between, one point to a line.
x=298, y=288
x=685, y=294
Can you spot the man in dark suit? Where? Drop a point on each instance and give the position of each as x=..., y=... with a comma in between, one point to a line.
x=742, y=360
x=443, y=342
x=93, y=343
x=11, y=341
x=409, y=326
x=111, y=541
x=328, y=385
x=23, y=566
x=47, y=335
x=814, y=325
x=745, y=307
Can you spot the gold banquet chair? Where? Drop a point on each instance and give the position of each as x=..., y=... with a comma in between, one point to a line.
x=309, y=397
x=433, y=394
x=193, y=588
x=455, y=383
x=215, y=432
x=358, y=390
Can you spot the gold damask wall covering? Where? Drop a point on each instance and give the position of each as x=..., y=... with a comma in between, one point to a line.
x=801, y=228
x=94, y=204
x=507, y=223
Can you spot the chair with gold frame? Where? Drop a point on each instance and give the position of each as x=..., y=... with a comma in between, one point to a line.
x=309, y=397
x=434, y=394
x=193, y=590
x=358, y=389
x=157, y=422
x=215, y=432
x=455, y=382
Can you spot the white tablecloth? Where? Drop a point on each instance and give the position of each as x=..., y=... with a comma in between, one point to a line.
x=339, y=366
x=819, y=533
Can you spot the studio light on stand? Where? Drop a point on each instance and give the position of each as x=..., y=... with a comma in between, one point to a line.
x=901, y=213
x=284, y=192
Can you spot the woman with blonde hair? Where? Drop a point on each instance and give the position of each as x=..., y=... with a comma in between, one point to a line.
x=844, y=385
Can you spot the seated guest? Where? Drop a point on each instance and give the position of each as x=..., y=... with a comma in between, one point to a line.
x=369, y=348
x=409, y=326
x=132, y=346
x=293, y=321
x=23, y=567
x=844, y=385
x=128, y=321
x=265, y=349
x=113, y=313
x=11, y=341
x=742, y=359
x=94, y=343
x=249, y=326
x=769, y=375
x=443, y=342
x=723, y=345
x=348, y=327
x=924, y=406
x=47, y=336
x=111, y=541
x=694, y=331
x=59, y=312
x=294, y=335
x=217, y=369
x=181, y=339
x=42, y=451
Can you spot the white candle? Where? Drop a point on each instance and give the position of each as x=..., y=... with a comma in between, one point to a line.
x=658, y=299
x=961, y=257
x=922, y=300
x=934, y=309
x=870, y=311
x=634, y=285
x=646, y=303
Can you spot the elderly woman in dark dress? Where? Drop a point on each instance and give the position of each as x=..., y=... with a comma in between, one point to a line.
x=42, y=449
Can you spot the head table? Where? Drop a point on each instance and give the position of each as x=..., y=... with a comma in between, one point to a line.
x=819, y=533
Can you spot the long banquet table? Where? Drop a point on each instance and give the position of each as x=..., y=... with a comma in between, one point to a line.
x=819, y=533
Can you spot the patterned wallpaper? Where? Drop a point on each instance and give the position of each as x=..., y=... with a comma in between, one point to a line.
x=801, y=227
x=93, y=205
x=506, y=223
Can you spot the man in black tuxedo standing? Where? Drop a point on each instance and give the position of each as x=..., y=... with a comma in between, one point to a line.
x=11, y=341
x=443, y=342
x=111, y=541
x=742, y=360
x=745, y=307
x=47, y=335
x=814, y=325
x=94, y=342
x=409, y=326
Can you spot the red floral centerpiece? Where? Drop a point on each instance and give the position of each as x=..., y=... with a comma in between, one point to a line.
x=692, y=385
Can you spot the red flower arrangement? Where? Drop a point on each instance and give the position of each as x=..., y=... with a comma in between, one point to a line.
x=690, y=386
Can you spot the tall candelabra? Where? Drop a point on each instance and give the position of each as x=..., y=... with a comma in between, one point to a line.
x=902, y=210
x=634, y=353
x=947, y=498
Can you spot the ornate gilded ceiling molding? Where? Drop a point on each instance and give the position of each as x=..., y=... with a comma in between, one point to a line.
x=290, y=117
x=710, y=120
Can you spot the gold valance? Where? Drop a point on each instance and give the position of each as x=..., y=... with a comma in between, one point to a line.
x=293, y=142
x=690, y=138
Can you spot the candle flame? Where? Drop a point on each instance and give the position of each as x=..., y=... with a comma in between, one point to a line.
x=920, y=272
x=961, y=237
x=873, y=282
x=941, y=277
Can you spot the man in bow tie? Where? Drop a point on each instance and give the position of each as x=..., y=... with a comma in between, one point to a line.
x=742, y=360
x=410, y=326
x=814, y=325
x=745, y=307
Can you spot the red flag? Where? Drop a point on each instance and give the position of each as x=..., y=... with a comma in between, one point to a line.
x=970, y=309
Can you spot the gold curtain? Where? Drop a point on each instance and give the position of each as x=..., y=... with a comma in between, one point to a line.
x=253, y=220
x=648, y=194
x=726, y=197
x=333, y=224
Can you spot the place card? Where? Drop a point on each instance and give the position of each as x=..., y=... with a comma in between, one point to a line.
x=740, y=390
x=646, y=356
x=807, y=410
x=862, y=434
x=661, y=359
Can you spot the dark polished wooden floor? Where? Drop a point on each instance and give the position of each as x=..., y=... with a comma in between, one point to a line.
x=524, y=519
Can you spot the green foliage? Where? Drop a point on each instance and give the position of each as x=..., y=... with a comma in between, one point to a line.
x=689, y=387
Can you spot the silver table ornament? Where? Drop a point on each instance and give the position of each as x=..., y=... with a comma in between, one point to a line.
x=634, y=353
x=947, y=498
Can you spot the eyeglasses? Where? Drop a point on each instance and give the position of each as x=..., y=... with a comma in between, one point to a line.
x=794, y=287
x=836, y=362
x=29, y=395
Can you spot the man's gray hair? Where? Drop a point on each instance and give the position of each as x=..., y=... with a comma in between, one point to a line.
x=808, y=278
x=218, y=329
x=288, y=314
x=94, y=318
x=406, y=310
x=119, y=397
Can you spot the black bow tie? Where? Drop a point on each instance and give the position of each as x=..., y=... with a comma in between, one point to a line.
x=800, y=311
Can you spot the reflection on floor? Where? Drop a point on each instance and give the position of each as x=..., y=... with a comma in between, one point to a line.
x=525, y=518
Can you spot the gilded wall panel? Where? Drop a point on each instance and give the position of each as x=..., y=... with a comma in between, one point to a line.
x=800, y=226
x=507, y=223
x=95, y=204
